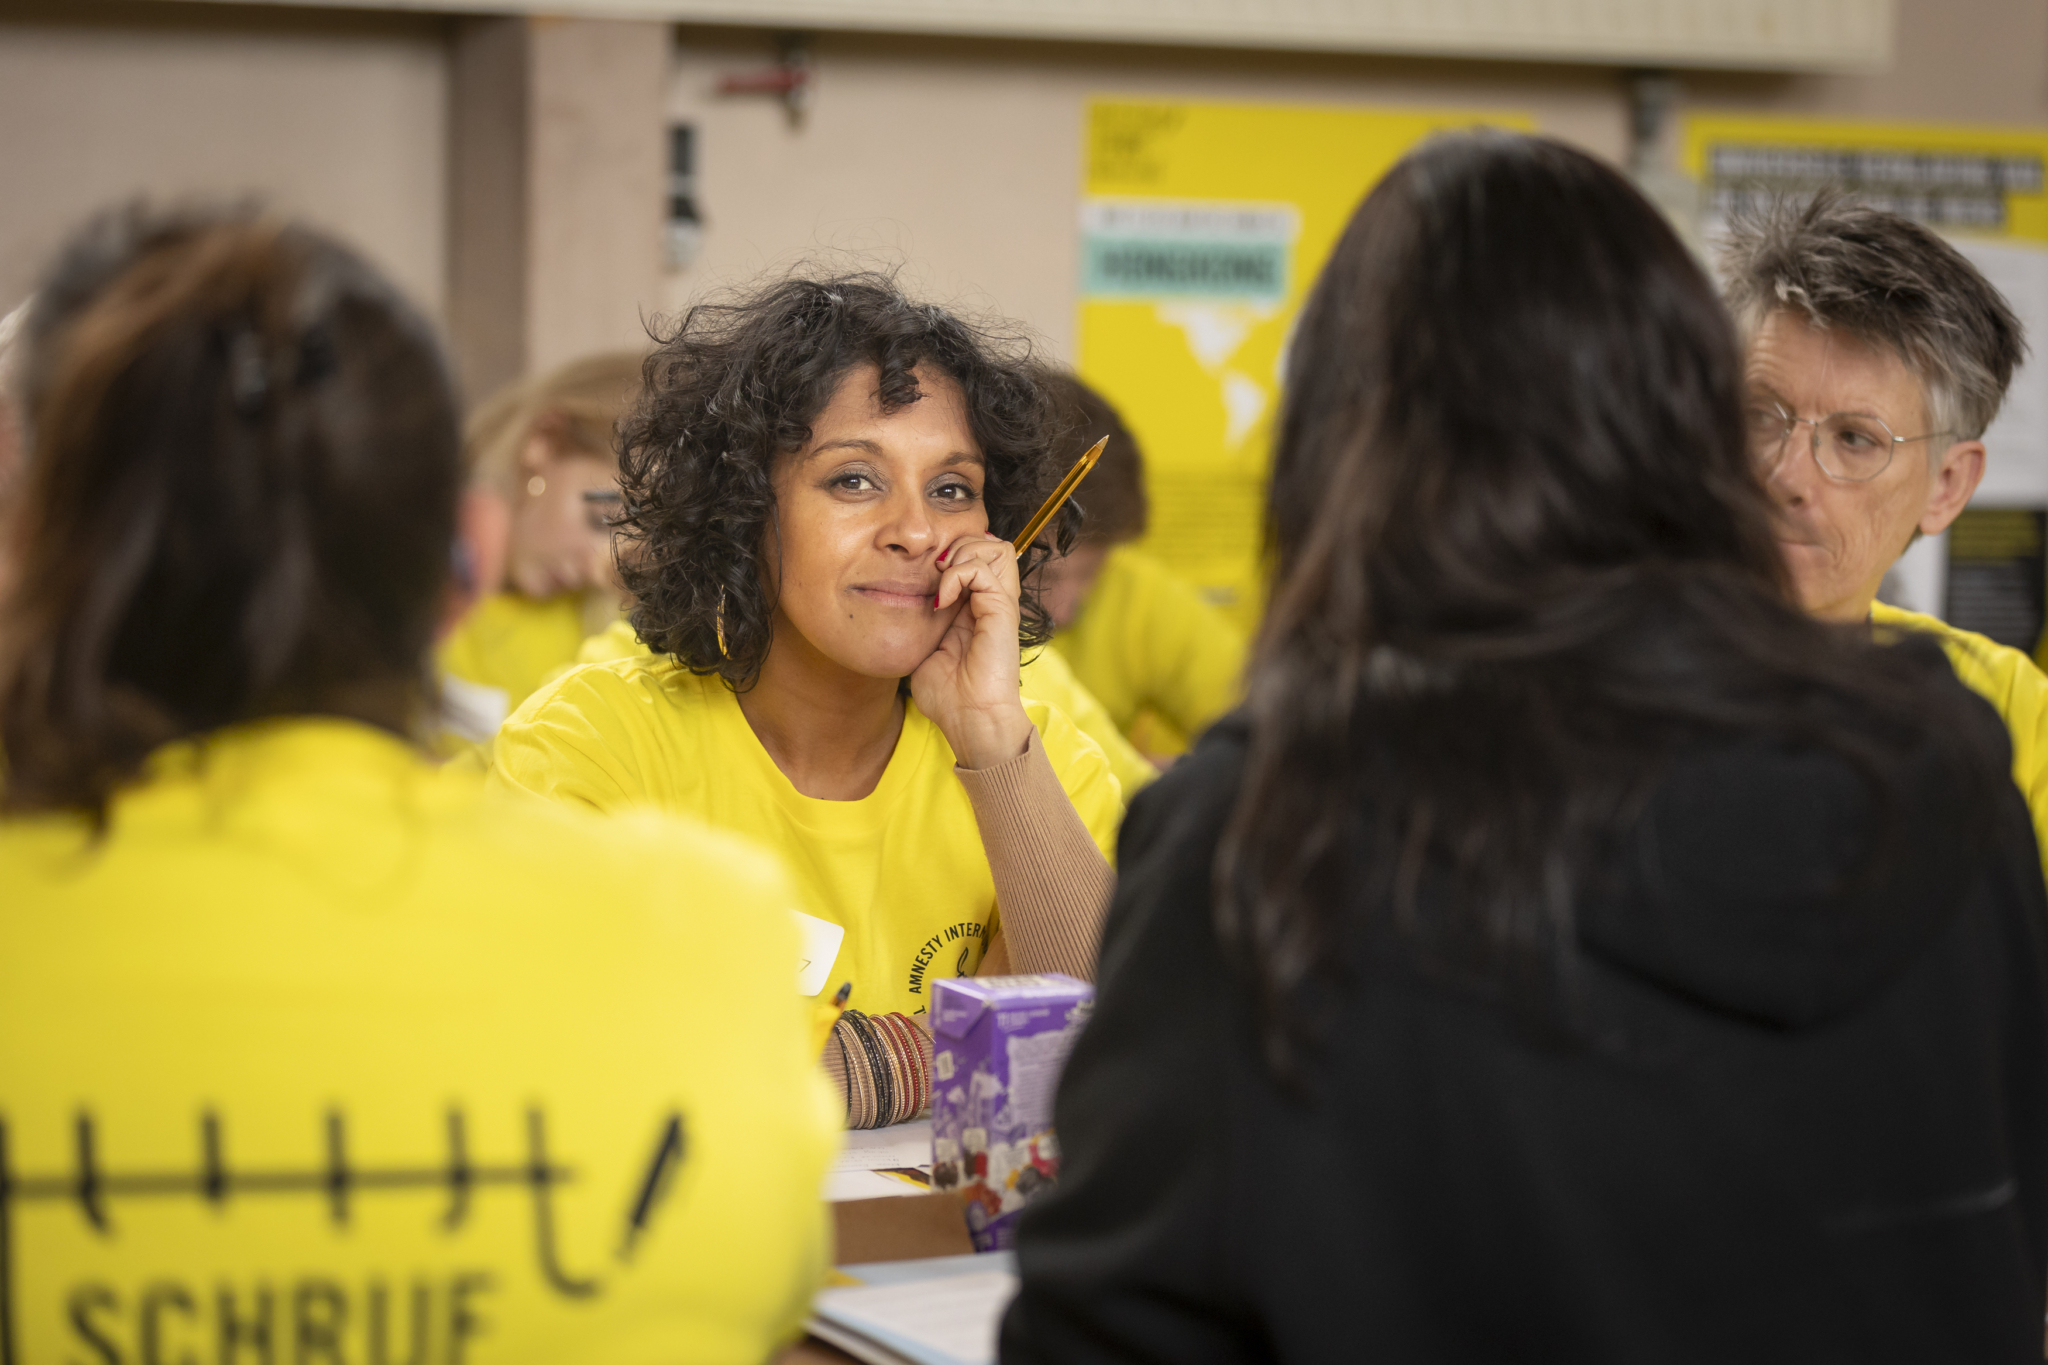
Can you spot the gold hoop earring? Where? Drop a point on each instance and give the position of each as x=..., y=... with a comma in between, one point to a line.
x=718, y=624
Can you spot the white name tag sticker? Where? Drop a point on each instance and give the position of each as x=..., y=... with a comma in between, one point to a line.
x=818, y=943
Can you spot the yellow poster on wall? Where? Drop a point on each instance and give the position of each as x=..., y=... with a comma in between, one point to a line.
x=1978, y=181
x=1202, y=228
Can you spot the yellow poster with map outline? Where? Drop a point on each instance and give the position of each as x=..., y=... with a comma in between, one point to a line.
x=1203, y=227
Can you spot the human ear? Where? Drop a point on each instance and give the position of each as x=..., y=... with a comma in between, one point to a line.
x=1954, y=483
x=483, y=525
x=537, y=453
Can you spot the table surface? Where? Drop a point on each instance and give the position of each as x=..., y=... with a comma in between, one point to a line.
x=906, y=1229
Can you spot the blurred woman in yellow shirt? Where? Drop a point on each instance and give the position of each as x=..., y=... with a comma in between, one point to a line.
x=544, y=485
x=312, y=1045
x=819, y=480
x=1163, y=662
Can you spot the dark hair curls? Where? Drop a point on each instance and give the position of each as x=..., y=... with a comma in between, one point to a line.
x=735, y=386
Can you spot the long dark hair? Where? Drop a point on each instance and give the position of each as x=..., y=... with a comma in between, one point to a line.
x=734, y=387
x=1521, y=557
x=243, y=466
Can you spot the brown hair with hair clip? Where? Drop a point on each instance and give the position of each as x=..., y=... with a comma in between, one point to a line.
x=239, y=499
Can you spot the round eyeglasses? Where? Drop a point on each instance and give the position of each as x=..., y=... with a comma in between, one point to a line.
x=1851, y=447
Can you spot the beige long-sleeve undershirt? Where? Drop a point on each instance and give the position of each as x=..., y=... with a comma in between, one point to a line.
x=1052, y=883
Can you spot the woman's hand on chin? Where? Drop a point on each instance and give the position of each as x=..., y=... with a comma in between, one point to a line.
x=969, y=685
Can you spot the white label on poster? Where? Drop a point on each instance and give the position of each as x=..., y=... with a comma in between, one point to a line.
x=2016, y=465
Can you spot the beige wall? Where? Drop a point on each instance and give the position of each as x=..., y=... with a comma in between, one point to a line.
x=956, y=158
x=961, y=159
x=555, y=226
x=1960, y=61
x=342, y=119
x=599, y=162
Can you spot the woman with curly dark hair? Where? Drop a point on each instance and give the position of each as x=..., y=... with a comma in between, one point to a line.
x=820, y=480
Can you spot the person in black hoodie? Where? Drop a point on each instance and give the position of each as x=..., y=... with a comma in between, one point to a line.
x=1570, y=951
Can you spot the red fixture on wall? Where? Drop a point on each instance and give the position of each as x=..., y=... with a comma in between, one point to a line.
x=788, y=80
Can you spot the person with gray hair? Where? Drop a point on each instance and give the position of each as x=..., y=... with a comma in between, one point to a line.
x=1876, y=357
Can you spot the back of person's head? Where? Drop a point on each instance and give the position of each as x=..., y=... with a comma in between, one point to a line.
x=239, y=501
x=732, y=390
x=1522, y=557
x=1113, y=504
x=575, y=408
x=10, y=420
x=1885, y=279
x=1510, y=379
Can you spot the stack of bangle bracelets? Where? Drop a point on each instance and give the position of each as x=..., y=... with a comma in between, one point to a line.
x=888, y=1068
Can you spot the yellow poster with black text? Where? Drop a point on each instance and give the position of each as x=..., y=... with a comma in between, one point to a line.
x=1202, y=229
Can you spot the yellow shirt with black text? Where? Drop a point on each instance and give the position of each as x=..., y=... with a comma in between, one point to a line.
x=901, y=870
x=322, y=1053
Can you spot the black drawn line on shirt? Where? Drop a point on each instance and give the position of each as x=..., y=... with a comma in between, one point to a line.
x=661, y=1173
x=337, y=1167
x=544, y=1213
x=461, y=1176
x=213, y=1181
x=94, y=1188
x=89, y=1191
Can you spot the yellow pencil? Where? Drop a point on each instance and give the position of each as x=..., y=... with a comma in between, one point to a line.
x=1059, y=496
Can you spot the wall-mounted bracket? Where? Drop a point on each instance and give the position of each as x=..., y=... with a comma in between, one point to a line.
x=789, y=79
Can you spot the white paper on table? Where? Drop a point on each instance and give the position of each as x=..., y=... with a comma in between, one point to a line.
x=840, y=1186
x=859, y=1171
x=876, y=1149
x=952, y=1320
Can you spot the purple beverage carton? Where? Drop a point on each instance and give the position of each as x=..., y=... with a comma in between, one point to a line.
x=999, y=1044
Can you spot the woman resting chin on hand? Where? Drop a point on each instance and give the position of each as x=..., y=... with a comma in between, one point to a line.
x=819, y=485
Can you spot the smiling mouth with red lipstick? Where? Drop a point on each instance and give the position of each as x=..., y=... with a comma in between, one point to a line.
x=901, y=592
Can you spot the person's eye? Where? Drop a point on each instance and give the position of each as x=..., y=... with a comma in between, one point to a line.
x=853, y=481
x=953, y=490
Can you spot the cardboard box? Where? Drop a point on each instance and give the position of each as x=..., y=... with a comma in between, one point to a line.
x=999, y=1044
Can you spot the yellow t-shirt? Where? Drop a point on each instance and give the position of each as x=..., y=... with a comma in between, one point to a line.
x=1145, y=641
x=502, y=651
x=323, y=1054
x=616, y=641
x=1046, y=676
x=2014, y=686
x=901, y=870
